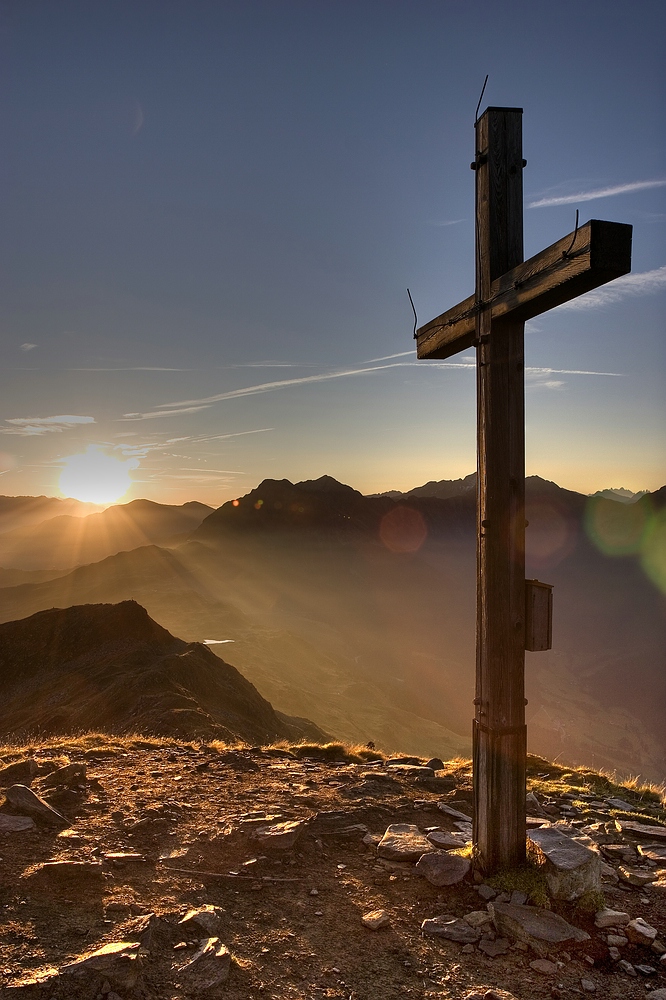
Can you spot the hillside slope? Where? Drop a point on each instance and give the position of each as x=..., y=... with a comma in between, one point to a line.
x=112, y=668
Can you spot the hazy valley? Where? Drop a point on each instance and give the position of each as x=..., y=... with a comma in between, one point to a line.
x=358, y=612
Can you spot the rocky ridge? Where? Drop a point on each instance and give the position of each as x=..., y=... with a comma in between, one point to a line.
x=138, y=868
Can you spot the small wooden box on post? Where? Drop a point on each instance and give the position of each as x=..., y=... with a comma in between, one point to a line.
x=508, y=292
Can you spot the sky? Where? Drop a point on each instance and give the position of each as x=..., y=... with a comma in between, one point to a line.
x=213, y=211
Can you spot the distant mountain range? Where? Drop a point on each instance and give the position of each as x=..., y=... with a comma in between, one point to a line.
x=358, y=613
x=110, y=668
x=67, y=540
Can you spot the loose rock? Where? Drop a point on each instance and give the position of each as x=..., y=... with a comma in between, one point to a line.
x=376, y=919
x=441, y=868
x=403, y=842
x=451, y=928
x=610, y=918
x=280, y=836
x=492, y=949
x=544, y=966
x=206, y=918
x=640, y=932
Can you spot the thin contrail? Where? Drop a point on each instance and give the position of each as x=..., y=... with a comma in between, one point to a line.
x=606, y=192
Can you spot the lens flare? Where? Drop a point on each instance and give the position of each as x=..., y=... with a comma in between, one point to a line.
x=403, y=530
x=96, y=477
x=617, y=529
x=653, y=550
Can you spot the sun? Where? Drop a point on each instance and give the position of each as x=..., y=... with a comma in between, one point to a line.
x=96, y=477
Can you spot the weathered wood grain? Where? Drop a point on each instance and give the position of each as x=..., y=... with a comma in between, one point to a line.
x=596, y=253
x=499, y=727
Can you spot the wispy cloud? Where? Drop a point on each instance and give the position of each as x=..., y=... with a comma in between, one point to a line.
x=447, y=222
x=35, y=426
x=389, y=357
x=605, y=192
x=176, y=412
x=28, y=347
x=223, y=437
x=253, y=390
x=641, y=283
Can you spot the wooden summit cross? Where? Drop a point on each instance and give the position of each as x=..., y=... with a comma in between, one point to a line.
x=508, y=292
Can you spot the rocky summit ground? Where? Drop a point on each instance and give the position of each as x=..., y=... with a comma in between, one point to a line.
x=188, y=870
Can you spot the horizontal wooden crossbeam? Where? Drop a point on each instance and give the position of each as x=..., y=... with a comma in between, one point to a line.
x=592, y=255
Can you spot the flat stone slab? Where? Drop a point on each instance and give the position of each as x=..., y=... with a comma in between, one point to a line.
x=500, y=946
x=454, y=813
x=641, y=829
x=451, y=928
x=403, y=842
x=611, y=918
x=441, y=868
x=70, y=875
x=118, y=962
x=280, y=836
x=534, y=926
x=636, y=876
x=622, y=805
x=25, y=801
x=15, y=824
x=571, y=867
x=445, y=841
x=653, y=852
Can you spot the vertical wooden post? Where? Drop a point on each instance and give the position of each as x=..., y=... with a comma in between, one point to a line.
x=499, y=736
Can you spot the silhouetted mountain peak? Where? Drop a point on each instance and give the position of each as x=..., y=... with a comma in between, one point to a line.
x=326, y=484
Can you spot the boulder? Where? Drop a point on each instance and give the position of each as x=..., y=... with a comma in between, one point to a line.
x=118, y=962
x=653, y=852
x=72, y=876
x=403, y=842
x=22, y=771
x=533, y=926
x=451, y=928
x=25, y=801
x=68, y=775
x=572, y=867
x=442, y=868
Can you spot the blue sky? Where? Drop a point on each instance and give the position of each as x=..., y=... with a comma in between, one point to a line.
x=213, y=211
